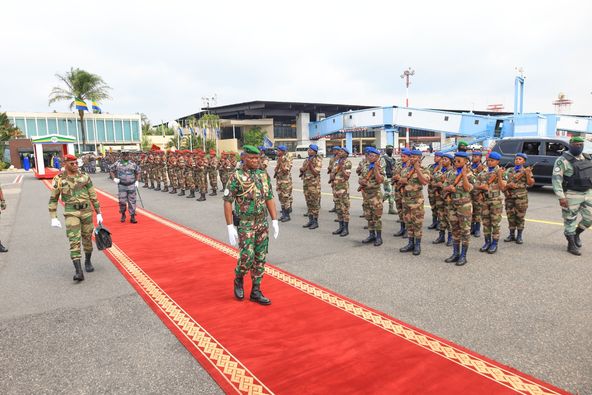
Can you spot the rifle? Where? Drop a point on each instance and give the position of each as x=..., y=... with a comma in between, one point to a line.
x=369, y=174
x=410, y=175
x=455, y=183
x=337, y=170
x=518, y=176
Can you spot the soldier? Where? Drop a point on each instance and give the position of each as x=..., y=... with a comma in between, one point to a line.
x=458, y=186
x=263, y=160
x=145, y=166
x=181, y=170
x=222, y=173
x=572, y=183
x=405, y=154
x=2, y=208
x=283, y=181
x=334, y=153
x=432, y=190
x=412, y=180
x=201, y=175
x=388, y=164
x=360, y=171
x=164, y=171
x=250, y=191
x=339, y=180
x=370, y=186
x=490, y=183
x=156, y=165
x=462, y=146
x=476, y=195
x=518, y=179
x=438, y=178
x=172, y=172
x=212, y=166
x=78, y=194
x=125, y=174
x=310, y=172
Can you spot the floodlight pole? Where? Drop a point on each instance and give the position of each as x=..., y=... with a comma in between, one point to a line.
x=406, y=74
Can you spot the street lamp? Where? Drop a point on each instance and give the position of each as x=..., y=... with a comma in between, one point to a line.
x=406, y=74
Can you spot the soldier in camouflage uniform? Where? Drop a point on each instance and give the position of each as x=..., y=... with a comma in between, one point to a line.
x=457, y=187
x=490, y=183
x=339, y=180
x=370, y=186
x=476, y=195
x=212, y=166
x=149, y=181
x=283, y=181
x=388, y=164
x=310, y=172
x=221, y=168
x=125, y=174
x=518, y=179
x=172, y=171
x=190, y=159
x=181, y=171
x=334, y=153
x=432, y=191
x=572, y=183
x=360, y=171
x=405, y=154
x=250, y=191
x=201, y=175
x=412, y=180
x=76, y=190
x=263, y=159
x=438, y=178
x=2, y=208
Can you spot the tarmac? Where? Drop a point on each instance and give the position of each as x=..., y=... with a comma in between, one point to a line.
x=528, y=306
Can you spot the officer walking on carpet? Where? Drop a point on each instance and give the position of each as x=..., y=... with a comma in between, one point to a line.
x=76, y=190
x=249, y=188
x=126, y=174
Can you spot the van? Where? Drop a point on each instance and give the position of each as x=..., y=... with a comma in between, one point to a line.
x=302, y=151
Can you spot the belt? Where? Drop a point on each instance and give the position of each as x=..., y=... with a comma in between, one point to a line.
x=125, y=184
x=459, y=196
x=77, y=206
x=412, y=193
x=492, y=194
x=244, y=217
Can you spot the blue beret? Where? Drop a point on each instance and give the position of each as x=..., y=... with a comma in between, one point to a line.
x=366, y=149
x=372, y=150
x=406, y=151
x=448, y=155
x=336, y=147
x=344, y=149
x=461, y=154
x=495, y=156
x=522, y=155
x=282, y=148
x=477, y=153
x=260, y=147
x=438, y=153
x=314, y=147
x=416, y=152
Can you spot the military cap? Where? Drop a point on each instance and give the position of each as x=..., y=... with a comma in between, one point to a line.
x=372, y=150
x=366, y=149
x=212, y=151
x=438, y=153
x=448, y=155
x=477, y=153
x=314, y=147
x=344, y=149
x=69, y=157
x=336, y=148
x=576, y=139
x=495, y=156
x=406, y=151
x=249, y=149
x=282, y=148
x=461, y=154
x=522, y=155
x=416, y=152
x=462, y=142
x=389, y=146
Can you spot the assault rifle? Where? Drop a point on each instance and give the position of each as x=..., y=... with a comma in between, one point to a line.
x=365, y=180
x=337, y=170
x=455, y=183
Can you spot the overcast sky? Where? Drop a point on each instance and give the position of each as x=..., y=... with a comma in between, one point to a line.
x=162, y=57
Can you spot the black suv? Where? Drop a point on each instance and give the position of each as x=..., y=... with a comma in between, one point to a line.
x=540, y=150
x=271, y=153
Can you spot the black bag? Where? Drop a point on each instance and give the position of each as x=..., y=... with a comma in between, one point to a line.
x=102, y=237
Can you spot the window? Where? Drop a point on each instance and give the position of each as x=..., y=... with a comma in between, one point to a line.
x=446, y=118
x=52, y=125
x=135, y=130
x=41, y=127
x=110, y=130
x=90, y=130
x=554, y=148
x=531, y=147
x=350, y=117
x=118, y=130
x=333, y=120
x=101, y=130
x=373, y=114
x=127, y=131
x=409, y=113
x=62, y=127
x=476, y=122
x=20, y=123
x=72, y=127
x=509, y=146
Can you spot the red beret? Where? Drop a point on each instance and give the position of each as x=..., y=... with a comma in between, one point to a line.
x=69, y=157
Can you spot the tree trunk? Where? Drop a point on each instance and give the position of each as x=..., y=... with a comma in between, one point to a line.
x=82, y=128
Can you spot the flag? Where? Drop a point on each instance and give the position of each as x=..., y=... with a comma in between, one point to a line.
x=218, y=133
x=204, y=133
x=96, y=108
x=267, y=143
x=192, y=131
x=180, y=132
x=80, y=104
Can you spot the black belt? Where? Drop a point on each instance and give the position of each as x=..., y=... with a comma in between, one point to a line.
x=78, y=206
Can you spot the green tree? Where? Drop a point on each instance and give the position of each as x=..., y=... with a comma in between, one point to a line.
x=7, y=130
x=79, y=85
x=145, y=143
x=254, y=136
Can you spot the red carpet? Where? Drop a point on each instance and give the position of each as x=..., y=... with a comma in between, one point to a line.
x=309, y=341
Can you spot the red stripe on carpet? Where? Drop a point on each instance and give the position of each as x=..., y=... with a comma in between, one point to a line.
x=310, y=340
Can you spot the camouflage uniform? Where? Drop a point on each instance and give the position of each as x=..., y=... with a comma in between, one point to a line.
x=441, y=207
x=329, y=171
x=213, y=173
x=388, y=163
x=283, y=179
x=516, y=199
x=398, y=197
x=489, y=202
x=190, y=174
x=312, y=184
x=361, y=172
x=172, y=171
x=372, y=198
x=476, y=200
x=340, y=174
x=126, y=171
x=181, y=170
x=201, y=179
x=413, y=201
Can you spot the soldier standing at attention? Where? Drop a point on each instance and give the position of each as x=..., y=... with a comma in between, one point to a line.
x=360, y=171
x=335, y=150
x=518, y=179
x=283, y=180
x=250, y=190
x=222, y=169
x=126, y=173
x=458, y=186
x=2, y=208
x=388, y=164
x=432, y=190
x=310, y=172
x=213, y=172
x=405, y=154
x=189, y=173
x=76, y=190
x=201, y=177
x=572, y=183
x=412, y=180
x=172, y=168
x=370, y=186
x=181, y=170
x=476, y=195
x=438, y=178
x=490, y=183
x=339, y=180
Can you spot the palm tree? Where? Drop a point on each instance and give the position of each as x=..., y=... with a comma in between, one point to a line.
x=7, y=130
x=80, y=85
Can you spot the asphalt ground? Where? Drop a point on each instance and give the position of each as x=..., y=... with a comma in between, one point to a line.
x=528, y=306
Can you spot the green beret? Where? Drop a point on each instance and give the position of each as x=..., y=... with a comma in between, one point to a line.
x=249, y=149
x=576, y=139
x=462, y=142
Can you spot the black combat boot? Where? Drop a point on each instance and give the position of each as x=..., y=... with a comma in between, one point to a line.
x=409, y=247
x=441, y=238
x=339, y=230
x=487, y=244
x=157, y=187
x=306, y=214
x=572, y=248
x=87, y=263
x=239, y=291
x=191, y=194
x=283, y=216
x=165, y=189
x=315, y=223
x=79, y=275
x=202, y=197
x=309, y=223
x=401, y=231
x=455, y=253
x=182, y=193
x=462, y=259
x=286, y=215
x=417, y=246
x=345, y=230
x=334, y=209
x=172, y=191
x=151, y=185
x=472, y=228
x=511, y=236
x=378, y=241
x=477, y=230
x=257, y=296
x=133, y=219
x=289, y=209
x=449, y=241
x=493, y=247
x=434, y=223
x=519, y=236
x=371, y=237
x=214, y=193
x=577, y=237
x=122, y=219
x=2, y=248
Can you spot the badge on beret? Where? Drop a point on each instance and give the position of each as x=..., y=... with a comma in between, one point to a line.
x=226, y=192
x=557, y=169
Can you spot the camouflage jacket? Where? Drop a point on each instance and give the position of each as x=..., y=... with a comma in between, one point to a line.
x=483, y=178
x=519, y=181
x=126, y=172
x=249, y=190
x=413, y=183
x=212, y=163
x=283, y=169
x=317, y=164
x=459, y=193
x=77, y=189
x=340, y=173
x=370, y=183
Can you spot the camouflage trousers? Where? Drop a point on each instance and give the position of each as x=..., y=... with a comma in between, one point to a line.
x=399, y=204
x=213, y=177
x=223, y=177
x=284, y=192
x=79, y=226
x=460, y=214
x=173, y=178
x=374, y=208
x=253, y=243
x=163, y=177
x=579, y=203
x=432, y=198
x=201, y=181
x=342, y=203
x=491, y=216
x=145, y=177
x=477, y=200
x=414, y=213
x=441, y=212
x=189, y=181
x=516, y=211
x=312, y=195
x=388, y=192
x=127, y=198
x=181, y=178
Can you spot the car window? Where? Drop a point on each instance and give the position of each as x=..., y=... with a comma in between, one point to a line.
x=554, y=148
x=509, y=146
x=588, y=147
x=531, y=147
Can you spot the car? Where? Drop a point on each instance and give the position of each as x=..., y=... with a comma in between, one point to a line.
x=542, y=151
x=271, y=153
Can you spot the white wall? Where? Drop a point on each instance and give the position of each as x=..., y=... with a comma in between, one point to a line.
x=426, y=119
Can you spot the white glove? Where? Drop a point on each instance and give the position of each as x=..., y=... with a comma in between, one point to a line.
x=116, y=180
x=99, y=218
x=55, y=223
x=232, y=235
x=136, y=184
x=276, y=228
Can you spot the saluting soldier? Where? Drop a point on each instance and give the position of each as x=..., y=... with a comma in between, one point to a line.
x=476, y=195
x=339, y=180
x=432, y=190
x=388, y=164
x=310, y=172
x=572, y=183
x=126, y=173
x=2, y=208
x=212, y=166
x=250, y=190
x=370, y=186
x=518, y=179
x=283, y=181
x=405, y=154
x=76, y=190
